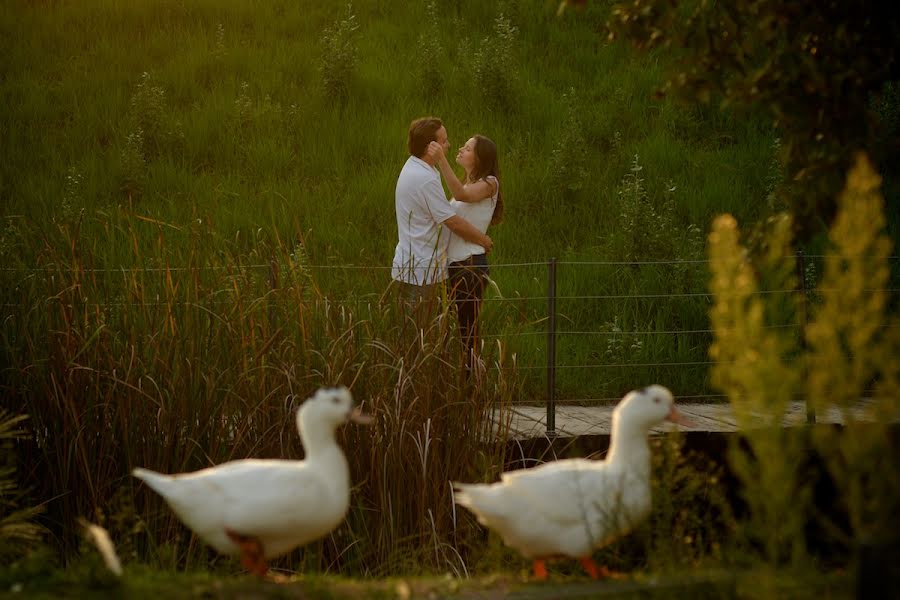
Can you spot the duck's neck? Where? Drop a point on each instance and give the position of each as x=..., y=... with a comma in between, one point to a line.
x=321, y=446
x=629, y=448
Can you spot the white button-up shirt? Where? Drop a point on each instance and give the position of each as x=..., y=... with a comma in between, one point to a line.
x=421, y=254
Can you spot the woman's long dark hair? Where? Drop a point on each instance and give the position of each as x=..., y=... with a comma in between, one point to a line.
x=486, y=165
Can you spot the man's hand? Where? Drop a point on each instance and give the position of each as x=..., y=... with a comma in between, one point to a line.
x=469, y=232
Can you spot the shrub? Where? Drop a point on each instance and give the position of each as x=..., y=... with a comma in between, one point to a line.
x=220, y=51
x=568, y=160
x=148, y=114
x=495, y=66
x=430, y=55
x=339, y=56
x=73, y=198
x=148, y=108
x=754, y=369
x=851, y=352
x=133, y=165
x=150, y=132
x=647, y=230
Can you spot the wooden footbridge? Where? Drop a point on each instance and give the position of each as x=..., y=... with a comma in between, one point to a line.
x=530, y=422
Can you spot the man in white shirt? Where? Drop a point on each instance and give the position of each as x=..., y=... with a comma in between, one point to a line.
x=424, y=221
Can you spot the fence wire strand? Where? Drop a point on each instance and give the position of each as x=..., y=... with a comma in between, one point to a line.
x=277, y=266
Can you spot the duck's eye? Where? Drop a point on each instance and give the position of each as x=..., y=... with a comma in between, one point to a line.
x=335, y=400
x=656, y=399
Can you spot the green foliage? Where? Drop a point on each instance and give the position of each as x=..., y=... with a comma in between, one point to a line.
x=850, y=354
x=150, y=133
x=263, y=154
x=148, y=109
x=431, y=57
x=133, y=165
x=773, y=180
x=620, y=345
x=10, y=239
x=220, y=50
x=150, y=115
x=648, y=227
x=853, y=345
x=811, y=66
x=338, y=59
x=754, y=368
x=885, y=107
x=32, y=578
x=243, y=107
x=73, y=195
x=676, y=537
x=495, y=64
x=568, y=161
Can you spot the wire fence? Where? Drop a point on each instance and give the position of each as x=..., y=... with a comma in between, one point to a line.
x=693, y=333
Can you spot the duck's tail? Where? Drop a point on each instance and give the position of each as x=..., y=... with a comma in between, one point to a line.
x=480, y=498
x=157, y=481
x=462, y=492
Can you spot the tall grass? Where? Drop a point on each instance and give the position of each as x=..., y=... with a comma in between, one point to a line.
x=202, y=365
x=19, y=530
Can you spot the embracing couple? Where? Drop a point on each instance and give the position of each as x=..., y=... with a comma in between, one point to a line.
x=443, y=242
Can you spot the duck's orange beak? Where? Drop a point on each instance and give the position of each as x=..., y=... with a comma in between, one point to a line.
x=360, y=418
x=676, y=417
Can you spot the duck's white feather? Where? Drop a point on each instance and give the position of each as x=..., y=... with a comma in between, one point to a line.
x=568, y=507
x=262, y=498
x=281, y=503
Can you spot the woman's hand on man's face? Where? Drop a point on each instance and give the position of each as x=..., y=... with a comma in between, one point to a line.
x=435, y=151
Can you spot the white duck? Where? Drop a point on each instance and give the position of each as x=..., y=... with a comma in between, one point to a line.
x=260, y=509
x=569, y=507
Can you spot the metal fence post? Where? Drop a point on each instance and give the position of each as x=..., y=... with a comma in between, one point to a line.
x=801, y=282
x=551, y=348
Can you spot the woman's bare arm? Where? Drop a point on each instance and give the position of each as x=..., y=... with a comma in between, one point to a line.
x=464, y=192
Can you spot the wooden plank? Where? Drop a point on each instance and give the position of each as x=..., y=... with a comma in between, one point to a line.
x=519, y=425
x=528, y=422
x=589, y=415
x=586, y=420
x=703, y=421
x=795, y=414
x=719, y=413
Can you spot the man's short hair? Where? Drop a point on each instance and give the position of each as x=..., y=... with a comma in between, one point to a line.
x=421, y=133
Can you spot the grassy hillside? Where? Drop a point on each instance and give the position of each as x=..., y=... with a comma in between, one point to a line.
x=133, y=126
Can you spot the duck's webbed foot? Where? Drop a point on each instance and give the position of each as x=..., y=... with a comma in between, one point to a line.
x=253, y=557
x=597, y=572
x=591, y=568
x=540, y=569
